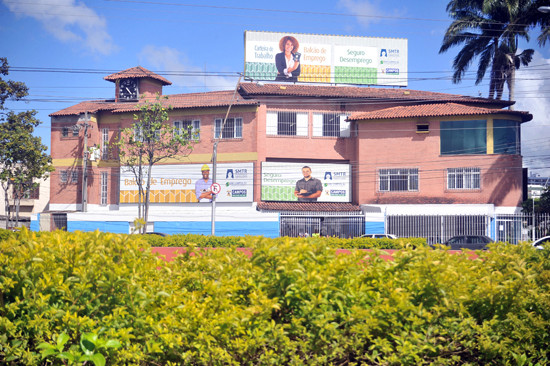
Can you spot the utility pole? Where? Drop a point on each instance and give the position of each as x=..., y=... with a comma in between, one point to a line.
x=215, y=157
x=85, y=165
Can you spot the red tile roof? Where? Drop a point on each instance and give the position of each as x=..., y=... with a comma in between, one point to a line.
x=136, y=72
x=252, y=90
x=176, y=101
x=308, y=206
x=435, y=110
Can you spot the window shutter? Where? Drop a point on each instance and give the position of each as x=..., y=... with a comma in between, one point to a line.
x=302, y=124
x=271, y=123
x=344, y=126
x=317, y=124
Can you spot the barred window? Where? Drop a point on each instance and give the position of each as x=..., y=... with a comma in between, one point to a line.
x=74, y=176
x=104, y=177
x=104, y=143
x=76, y=129
x=463, y=178
x=65, y=132
x=331, y=125
x=287, y=123
x=400, y=179
x=233, y=128
x=63, y=176
x=192, y=127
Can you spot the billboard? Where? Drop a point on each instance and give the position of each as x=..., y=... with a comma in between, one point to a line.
x=185, y=182
x=280, y=181
x=292, y=57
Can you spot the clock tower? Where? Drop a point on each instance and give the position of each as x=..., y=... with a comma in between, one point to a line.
x=133, y=83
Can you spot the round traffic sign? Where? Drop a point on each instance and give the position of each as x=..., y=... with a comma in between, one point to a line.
x=215, y=188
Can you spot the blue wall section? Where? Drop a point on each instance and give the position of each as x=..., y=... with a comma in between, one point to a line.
x=35, y=224
x=374, y=228
x=222, y=228
x=120, y=227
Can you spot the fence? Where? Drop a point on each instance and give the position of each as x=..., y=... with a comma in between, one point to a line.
x=324, y=224
x=439, y=228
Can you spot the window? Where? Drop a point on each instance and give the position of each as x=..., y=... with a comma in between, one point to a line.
x=65, y=132
x=140, y=135
x=463, y=178
x=64, y=176
x=331, y=124
x=463, y=137
x=104, y=177
x=284, y=123
x=192, y=127
x=422, y=128
x=506, y=136
x=76, y=129
x=400, y=179
x=233, y=128
x=105, y=143
x=74, y=176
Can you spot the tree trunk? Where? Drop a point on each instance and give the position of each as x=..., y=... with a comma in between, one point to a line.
x=147, y=195
x=7, y=203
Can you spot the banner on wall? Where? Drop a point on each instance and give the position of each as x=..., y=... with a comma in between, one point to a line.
x=186, y=182
x=292, y=57
x=281, y=180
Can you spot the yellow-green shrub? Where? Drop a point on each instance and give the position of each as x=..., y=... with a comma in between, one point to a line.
x=294, y=302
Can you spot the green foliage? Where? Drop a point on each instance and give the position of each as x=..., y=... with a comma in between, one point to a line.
x=183, y=240
x=10, y=89
x=90, y=344
x=23, y=157
x=294, y=302
x=490, y=31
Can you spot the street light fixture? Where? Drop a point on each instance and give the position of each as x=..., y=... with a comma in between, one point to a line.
x=544, y=9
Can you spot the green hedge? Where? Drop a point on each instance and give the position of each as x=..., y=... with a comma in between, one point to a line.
x=294, y=302
x=182, y=240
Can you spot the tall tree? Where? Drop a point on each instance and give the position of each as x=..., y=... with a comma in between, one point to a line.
x=490, y=30
x=23, y=160
x=148, y=141
x=23, y=157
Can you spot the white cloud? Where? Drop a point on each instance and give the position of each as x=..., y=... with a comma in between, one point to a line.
x=193, y=79
x=533, y=95
x=68, y=21
x=366, y=11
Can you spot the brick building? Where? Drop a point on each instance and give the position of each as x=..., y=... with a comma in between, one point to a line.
x=381, y=154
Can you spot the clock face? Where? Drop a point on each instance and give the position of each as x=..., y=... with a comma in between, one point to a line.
x=128, y=89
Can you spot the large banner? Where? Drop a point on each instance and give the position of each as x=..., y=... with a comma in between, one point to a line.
x=186, y=182
x=291, y=57
x=280, y=182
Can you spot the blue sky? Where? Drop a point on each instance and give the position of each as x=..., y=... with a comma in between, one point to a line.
x=80, y=42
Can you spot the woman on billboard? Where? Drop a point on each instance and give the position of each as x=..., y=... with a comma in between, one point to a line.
x=288, y=61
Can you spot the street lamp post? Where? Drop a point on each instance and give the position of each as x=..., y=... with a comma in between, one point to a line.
x=215, y=156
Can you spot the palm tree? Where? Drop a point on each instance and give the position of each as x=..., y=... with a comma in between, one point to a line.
x=490, y=30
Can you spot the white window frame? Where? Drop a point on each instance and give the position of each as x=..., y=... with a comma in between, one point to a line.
x=318, y=125
x=104, y=188
x=237, y=132
x=468, y=178
x=272, y=123
x=195, y=127
x=385, y=180
x=74, y=176
x=105, y=143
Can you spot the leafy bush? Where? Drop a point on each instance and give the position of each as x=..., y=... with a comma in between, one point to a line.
x=183, y=240
x=294, y=302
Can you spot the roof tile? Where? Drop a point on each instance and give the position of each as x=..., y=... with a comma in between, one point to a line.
x=254, y=90
x=434, y=110
x=136, y=72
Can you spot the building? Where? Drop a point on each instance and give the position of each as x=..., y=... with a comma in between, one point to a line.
x=406, y=162
x=32, y=203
